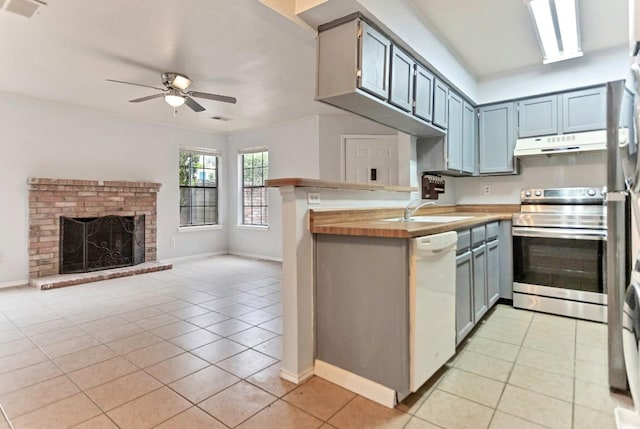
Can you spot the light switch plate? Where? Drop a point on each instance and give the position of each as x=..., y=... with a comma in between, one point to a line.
x=313, y=198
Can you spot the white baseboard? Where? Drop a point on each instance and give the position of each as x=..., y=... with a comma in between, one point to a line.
x=14, y=283
x=194, y=257
x=360, y=385
x=255, y=256
x=296, y=378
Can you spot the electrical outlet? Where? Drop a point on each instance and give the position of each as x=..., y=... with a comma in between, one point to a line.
x=487, y=189
x=172, y=243
x=313, y=198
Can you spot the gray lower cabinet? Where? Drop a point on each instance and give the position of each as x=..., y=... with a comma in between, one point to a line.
x=496, y=138
x=493, y=271
x=464, y=301
x=478, y=275
x=480, y=303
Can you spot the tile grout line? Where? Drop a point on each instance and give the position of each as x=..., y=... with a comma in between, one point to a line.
x=513, y=364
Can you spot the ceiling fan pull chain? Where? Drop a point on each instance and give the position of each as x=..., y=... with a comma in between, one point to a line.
x=175, y=112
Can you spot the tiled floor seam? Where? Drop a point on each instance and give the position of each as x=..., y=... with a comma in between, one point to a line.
x=6, y=417
x=513, y=364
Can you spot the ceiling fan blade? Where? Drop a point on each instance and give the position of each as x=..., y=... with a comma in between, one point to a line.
x=135, y=84
x=214, y=97
x=148, y=97
x=193, y=104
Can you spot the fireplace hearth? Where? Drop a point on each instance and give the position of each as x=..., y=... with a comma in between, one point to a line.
x=92, y=244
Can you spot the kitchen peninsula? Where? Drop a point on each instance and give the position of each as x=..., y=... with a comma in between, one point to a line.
x=354, y=215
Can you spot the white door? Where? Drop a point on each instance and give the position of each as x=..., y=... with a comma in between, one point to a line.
x=371, y=160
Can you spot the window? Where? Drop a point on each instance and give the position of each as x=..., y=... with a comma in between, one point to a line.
x=198, y=171
x=255, y=200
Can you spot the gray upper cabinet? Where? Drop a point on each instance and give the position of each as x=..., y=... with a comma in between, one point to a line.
x=440, y=102
x=584, y=110
x=468, y=139
x=496, y=138
x=374, y=61
x=401, y=90
x=356, y=74
x=538, y=116
x=423, y=89
x=455, y=132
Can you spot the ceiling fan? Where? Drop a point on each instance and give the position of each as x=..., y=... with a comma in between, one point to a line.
x=175, y=92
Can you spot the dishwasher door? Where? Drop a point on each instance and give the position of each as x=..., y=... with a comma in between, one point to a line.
x=432, y=303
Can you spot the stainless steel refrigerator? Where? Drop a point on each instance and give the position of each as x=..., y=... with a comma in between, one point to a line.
x=622, y=188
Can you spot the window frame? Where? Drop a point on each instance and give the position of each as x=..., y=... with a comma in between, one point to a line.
x=218, y=163
x=242, y=224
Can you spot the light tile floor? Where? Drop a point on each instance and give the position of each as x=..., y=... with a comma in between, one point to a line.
x=199, y=346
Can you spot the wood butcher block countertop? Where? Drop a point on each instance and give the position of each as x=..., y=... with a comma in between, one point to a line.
x=370, y=222
x=315, y=183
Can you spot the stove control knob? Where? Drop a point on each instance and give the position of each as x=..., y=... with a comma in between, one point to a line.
x=538, y=193
x=527, y=193
x=591, y=192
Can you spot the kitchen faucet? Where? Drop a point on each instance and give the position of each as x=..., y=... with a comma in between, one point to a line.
x=408, y=213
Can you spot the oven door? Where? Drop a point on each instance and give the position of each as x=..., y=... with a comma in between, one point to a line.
x=560, y=263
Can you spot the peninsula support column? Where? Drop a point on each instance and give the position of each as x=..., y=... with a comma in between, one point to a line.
x=297, y=288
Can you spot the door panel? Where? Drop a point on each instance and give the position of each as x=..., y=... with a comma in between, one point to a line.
x=440, y=103
x=468, y=139
x=423, y=94
x=584, y=110
x=538, y=116
x=464, y=297
x=479, y=281
x=497, y=138
x=454, y=133
x=371, y=160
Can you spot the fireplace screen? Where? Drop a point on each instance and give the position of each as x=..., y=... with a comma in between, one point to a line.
x=92, y=244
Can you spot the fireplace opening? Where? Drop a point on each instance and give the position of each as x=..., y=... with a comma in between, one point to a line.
x=92, y=244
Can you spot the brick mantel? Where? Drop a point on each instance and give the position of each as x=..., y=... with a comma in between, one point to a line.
x=49, y=199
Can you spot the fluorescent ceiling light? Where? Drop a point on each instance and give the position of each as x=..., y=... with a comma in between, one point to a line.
x=174, y=99
x=556, y=24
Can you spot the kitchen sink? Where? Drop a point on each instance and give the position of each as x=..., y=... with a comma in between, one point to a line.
x=433, y=218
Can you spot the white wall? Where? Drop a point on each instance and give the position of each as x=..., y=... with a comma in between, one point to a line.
x=331, y=128
x=591, y=69
x=586, y=169
x=293, y=152
x=42, y=139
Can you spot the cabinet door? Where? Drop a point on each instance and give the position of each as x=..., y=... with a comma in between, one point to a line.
x=538, y=116
x=454, y=133
x=584, y=110
x=373, y=62
x=464, y=297
x=440, y=101
x=497, y=138
x=468, y=139
x=493, y=271
x=423, y=94
x=479, y=256
x=401, y=90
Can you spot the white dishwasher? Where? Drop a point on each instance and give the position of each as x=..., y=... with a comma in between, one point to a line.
x=432, y=305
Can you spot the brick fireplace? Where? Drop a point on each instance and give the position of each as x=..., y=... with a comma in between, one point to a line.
x=51, y=199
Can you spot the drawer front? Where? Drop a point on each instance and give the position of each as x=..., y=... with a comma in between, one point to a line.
x=493, y=229
x=478, y=235
x=464, y=240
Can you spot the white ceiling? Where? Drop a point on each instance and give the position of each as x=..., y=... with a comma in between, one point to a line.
x=240, y=48
x=496, y=36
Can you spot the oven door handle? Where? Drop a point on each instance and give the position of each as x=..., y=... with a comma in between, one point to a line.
x=563, y=233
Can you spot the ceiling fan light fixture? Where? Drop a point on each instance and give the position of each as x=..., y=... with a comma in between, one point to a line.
x=174, y=99
x=181, y=82
x=556, y=25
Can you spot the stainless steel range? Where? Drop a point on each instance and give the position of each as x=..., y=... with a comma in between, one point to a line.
x=559, y=248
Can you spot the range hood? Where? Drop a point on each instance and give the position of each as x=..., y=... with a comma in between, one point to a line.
x=578, y=142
